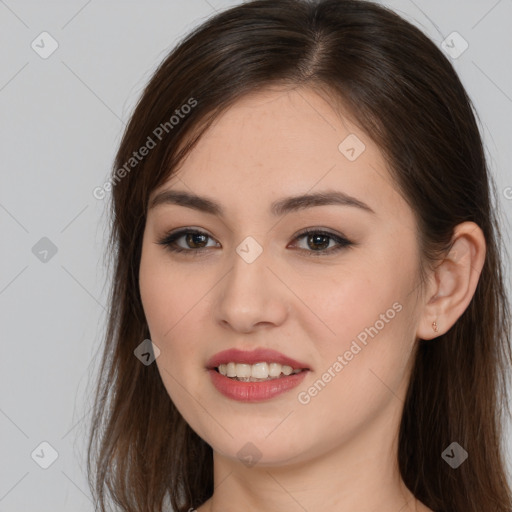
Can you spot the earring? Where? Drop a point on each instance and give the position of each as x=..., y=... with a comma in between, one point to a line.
x=434, y=326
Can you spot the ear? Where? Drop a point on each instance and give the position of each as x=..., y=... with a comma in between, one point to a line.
x=454, y=281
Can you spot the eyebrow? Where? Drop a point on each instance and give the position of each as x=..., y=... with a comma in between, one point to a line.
x=277, y=208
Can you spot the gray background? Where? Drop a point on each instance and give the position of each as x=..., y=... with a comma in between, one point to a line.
x=61, y=121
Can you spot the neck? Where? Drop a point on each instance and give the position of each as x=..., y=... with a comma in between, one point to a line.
x=359, y=475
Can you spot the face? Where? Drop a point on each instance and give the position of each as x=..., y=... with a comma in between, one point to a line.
x=340, y=300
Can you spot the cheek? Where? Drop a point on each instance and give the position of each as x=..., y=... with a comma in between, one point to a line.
x=345, y=301
x=157, y=304
x=168, y=299
x=365, y=320
x=371, y=292
x=168, y=293
x=173, y=300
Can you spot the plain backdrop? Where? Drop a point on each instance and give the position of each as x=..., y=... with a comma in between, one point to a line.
x=62, y=116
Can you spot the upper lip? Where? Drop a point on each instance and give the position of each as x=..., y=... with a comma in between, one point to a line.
x=252, y=357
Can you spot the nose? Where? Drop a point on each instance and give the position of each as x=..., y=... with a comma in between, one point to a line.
x=251, y=295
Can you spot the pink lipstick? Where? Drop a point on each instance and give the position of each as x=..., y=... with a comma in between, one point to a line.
x=254, y=376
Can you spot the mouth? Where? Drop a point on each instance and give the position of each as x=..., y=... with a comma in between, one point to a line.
x=255, y=376
x=255, y=366
x=258, y=372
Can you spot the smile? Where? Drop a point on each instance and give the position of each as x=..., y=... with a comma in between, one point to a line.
x=256, y=372
x=256, y=375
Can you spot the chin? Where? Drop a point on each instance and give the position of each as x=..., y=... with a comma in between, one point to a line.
x=257, y=447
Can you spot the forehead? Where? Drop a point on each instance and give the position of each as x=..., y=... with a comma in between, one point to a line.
x=280, y=142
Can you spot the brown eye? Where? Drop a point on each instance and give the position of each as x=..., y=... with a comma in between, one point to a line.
x=318, y=242
x=194, y=241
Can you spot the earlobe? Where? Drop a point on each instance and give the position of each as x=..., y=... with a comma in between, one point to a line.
x=456, y=279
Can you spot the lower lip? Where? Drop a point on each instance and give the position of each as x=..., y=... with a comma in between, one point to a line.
x=255, y=391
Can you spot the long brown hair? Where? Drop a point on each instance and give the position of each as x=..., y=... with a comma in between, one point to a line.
x=404, y=93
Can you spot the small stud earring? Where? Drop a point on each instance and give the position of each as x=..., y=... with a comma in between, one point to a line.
x=434, y=326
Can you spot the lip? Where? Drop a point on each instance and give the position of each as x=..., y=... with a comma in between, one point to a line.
x=259, y=355
x=254, y=391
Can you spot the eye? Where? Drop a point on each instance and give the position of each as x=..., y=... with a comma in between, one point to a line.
x=196, y=241
x=321, y=239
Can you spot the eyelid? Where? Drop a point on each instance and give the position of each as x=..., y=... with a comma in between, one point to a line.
x=169, y=239
x=342, y=241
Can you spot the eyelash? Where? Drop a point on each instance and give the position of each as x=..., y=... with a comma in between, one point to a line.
x=169, y=242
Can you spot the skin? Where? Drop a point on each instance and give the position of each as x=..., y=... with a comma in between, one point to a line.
x=337, y=452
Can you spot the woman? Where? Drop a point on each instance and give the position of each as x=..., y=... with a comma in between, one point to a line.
x=308, y=310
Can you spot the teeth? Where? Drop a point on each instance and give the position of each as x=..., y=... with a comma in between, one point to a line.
x=230, y=371
x=255, y=372
x=243, y=370
x=274, y=369
x=287, y=370
x=259, y=371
